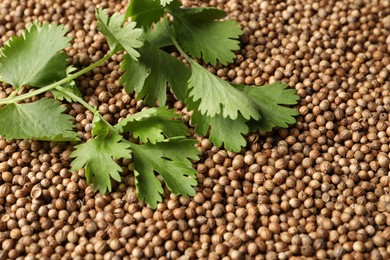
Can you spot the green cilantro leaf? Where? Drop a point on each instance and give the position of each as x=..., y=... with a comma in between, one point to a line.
x=33, y=58
x=222, y=130
x=98, y=154
x=119, y=37
x=40, y=120
x=148, y=186
x=202, y=36
x=170, y=159
x=131, y=68
x=153, y=125
x=270, y=100
x=154, y=70
x=101, y=127
x=201, y=13
x=217, y=96
x=158, y=36
x=144, y=12
x=147, y=12
x=70, y=86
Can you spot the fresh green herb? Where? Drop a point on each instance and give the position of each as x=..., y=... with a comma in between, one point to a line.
x=35, y=58
x=145, y=13
x=97, y=155
x=170, y=158
x=218, y=97
x=119, y=37
x=41, y=120
x=153, y=125
x=268, y=99
x=223, y=130
x=196, y=29
x=154, y=70
x=224, y=111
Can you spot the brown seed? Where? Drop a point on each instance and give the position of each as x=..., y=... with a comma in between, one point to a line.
x=100, y=247
x=221, y=249
x=72, y=237
x=60, y=236
x=15, y=233
x=4, y=167
x=36, y=192
x=252, y=249
x=383, y=160
x=380, y=219
x=6, y=176
x=280, y=177
x=265, y=233
x=114, y=244
x=280, y=164
x=379, y=240
x=5, y=189
x=345, y=135
x=8, y=244
x=326, y=166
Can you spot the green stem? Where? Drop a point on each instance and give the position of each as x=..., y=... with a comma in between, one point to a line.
x=14, y=93
x=58, y=83
x=175, y=42
x=76, y=98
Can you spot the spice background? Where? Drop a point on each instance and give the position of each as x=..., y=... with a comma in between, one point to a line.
x=318, y=189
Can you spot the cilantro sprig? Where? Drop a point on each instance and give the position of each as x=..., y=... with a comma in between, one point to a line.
x=156, y=138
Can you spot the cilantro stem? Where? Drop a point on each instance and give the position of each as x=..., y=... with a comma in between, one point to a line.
x=14, y=93
x=76, y=98
x=58, y=83
x=175, y=42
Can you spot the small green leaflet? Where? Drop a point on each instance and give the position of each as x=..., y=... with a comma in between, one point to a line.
x=144, y=12
x=217, y=96
x=222, y=130
x=101, y=127
x=170, y=159
x=34, y=58
x=148, y=186
x=270, y=100
x=40, y=120
x=119, y=37
x=147, y=12
x=97, y=156
x=202, y=36
x=153, y=125
x=70, y=86
x=153, y=71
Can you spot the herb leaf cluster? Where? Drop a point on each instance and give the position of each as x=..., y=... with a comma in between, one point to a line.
x=224, y=111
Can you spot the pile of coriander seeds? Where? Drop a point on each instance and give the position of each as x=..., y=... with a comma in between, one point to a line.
x=319, y=189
